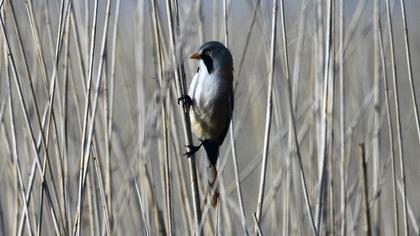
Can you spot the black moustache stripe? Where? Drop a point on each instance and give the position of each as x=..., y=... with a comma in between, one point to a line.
x=208, y=62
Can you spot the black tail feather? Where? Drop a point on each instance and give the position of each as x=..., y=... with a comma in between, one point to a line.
x=212, y=150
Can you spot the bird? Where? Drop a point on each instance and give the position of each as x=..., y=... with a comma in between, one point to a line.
x=210, y=101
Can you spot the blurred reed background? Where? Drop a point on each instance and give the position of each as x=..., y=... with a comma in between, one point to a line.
x=325, y=136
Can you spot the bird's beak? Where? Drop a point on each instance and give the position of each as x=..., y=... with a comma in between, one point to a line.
x=195, y=55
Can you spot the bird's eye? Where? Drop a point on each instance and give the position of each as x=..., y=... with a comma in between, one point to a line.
x=207, y=52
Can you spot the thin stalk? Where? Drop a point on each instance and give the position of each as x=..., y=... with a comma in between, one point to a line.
x=410, y=211
x=268, y=112
x=200, y=14
x=376, y=125
x=232, y=136
x=109, y=105
x=180, y=173
x=410, y=79
x=88, y=129
x=299, y=48
x=64, y=128
x=324, y=121
x=28, y=125
x=363, y=173
x=15, y=153
x=83, y=162
x=44, y=134
x=391, y=133
x=416, y=113
x=248, y=36
x=102, y=194
x=397, y=109
x=286, y=205
x=181, y=86
x=237, y=179
x=35, y=35
x=225, y=23
x=142, y=209
x=167, y=175
x=343, y=207
x=163, y=89
x=330, y=129
x=167, y=165
x=294, y=80
x=257, y=225
x=291, y=117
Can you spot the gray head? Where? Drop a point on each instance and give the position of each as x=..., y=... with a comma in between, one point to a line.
x=215, y=56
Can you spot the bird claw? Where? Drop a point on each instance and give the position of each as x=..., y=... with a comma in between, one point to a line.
x=192, y=150
x=186, y=101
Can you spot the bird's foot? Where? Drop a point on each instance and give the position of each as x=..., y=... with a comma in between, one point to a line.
x=192, y=150
x=186, y=101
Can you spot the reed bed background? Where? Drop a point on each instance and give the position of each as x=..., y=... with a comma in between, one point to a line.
x=325, y=137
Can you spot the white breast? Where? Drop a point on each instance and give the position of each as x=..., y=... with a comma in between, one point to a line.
x=210, y=95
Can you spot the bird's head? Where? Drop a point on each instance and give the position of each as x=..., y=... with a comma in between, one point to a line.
x=215, y=56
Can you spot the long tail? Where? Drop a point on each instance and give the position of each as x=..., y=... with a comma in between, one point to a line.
x=212, y=150
x=212, y=172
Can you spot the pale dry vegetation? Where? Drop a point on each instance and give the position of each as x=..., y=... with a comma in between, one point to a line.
x=325, y=137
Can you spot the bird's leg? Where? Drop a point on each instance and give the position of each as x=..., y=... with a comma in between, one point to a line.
x=186, y=101
x=192, y=150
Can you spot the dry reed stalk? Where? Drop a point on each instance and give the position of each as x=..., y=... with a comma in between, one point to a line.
x=293, y=94
x=181, y=86
x=257, y=225
x=324, y=129
x=102, y=192
x=88, y=129
x=410, y=211
x=410, y=79
x=116, y=142
x=109, y=110
x=143, y=211
x=237, y=179
x=166, y=187
x=397, y=108
x=225, y=218
x=62, y=37
x=298, y=53
x=353, y=24
x=41, y=59
x=415, y=108
x=363, y=173
x=78, y=44
x=90, y=207
x=43, y=135
x=248, y=36
x=291, y=116
x=392, y=150
x=330, y=128
x=15, y=153
x=166, y=176
x=29, y=127
x=200, y=14
x=179, y=168
x=268, y=113
x=232, y=137
x=343, y=207
x=83, y=162
x=63, y=138
x=376, y=119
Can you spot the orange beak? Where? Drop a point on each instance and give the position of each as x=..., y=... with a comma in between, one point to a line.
x=195, y=55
